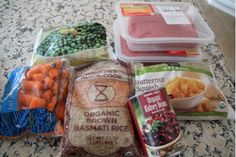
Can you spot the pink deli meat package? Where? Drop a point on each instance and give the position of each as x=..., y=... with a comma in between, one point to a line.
x=161, y=26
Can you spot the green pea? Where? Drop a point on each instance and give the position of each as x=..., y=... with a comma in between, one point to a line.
x=94, y=36
x=65, y=51
x=70, y=51
x=73, y=44
x=91, y=35
x=74, y=40
x=60, y=41
x=103, y=43
x=75, y=50
x=98, y=45
x=49, y=52
x=60, y=54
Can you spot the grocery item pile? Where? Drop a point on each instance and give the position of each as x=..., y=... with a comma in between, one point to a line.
x=124, y=107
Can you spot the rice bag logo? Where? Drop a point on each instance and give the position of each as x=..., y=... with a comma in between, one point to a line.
x=101, y=93
x=153, y=102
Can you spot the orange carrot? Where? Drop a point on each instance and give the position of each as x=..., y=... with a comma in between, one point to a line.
x=48, y=83
x=33, y=86
x=64, y=84
x=59, y=129
x=33, y=70
x=47, y=95
x=64, y=93
x=60, y=112
x=24, y=99
x=46, y=68
x=54, y=100
x=28, y=99
x=38, y=77
x=52, y=104
x=55, y=89
x=54, y=74
x=21, y=99
x=27, y=75
x=37, y=103
x=65, y=74
x=58, y=65
x=37, y=93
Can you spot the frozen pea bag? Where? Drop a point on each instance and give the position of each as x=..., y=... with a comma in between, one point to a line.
x=81, y=43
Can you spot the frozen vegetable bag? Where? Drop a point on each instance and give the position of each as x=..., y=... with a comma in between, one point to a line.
x=81, y=43
x=98, y=121
x=192, y=88
x=33, y=100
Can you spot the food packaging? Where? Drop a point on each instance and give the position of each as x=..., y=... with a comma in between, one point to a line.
x=98, y=121
x=125, y=54
x=191, y=87
x=33, y=101
x=157, y=126
x=158, y=26
x=81, y=43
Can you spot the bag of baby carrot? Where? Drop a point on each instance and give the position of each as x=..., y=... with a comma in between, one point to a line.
x=33, y=100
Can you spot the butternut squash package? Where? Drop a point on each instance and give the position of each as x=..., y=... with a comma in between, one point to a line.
x=33, y=100
x=191, y=87
x=98, y=121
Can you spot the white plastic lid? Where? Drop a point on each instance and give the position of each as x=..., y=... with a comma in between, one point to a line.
x=162, y=22
x=125, y=54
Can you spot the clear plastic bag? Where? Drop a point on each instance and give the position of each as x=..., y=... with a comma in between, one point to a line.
x=33, y=100
x=81, y=43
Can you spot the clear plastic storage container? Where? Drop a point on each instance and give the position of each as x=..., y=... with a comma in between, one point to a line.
x=125, y=54
x=157, y=26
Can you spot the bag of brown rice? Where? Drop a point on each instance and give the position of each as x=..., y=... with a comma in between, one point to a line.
x=98, y=121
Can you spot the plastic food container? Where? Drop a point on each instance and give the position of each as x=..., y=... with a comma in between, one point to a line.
x=125, y=54
x=157, y=26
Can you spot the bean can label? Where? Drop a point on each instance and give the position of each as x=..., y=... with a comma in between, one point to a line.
x=156, y=122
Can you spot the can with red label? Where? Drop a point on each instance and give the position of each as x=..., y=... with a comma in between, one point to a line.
x=156, y=122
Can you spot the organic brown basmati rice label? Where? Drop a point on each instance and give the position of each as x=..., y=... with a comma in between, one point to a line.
x=98, y=118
